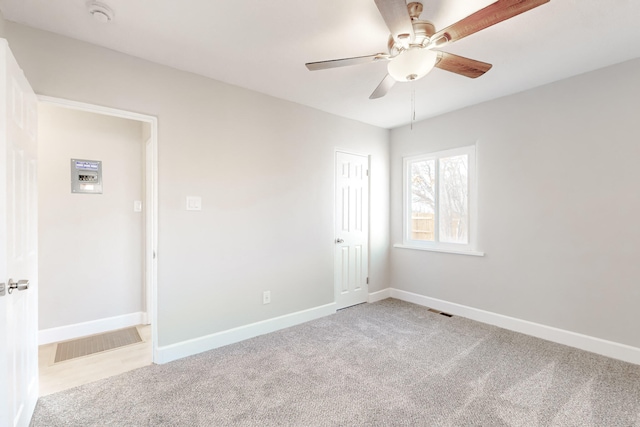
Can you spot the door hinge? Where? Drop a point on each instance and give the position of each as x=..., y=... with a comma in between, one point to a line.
x=367, y=172
x=367, y=280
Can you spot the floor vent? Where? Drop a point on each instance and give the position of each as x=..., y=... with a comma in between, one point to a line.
x=96, y=343
x=433, y=310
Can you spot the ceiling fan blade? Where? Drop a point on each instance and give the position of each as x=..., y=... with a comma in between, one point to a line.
x=334, y=63
x=385, y=85
x=396, y=16
x=461, y=65
x=484, y=18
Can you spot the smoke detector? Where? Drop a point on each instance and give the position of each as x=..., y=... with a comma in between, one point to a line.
x=100, y=12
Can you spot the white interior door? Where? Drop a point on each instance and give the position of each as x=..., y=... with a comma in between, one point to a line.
x=19, y=245
x=352, y=229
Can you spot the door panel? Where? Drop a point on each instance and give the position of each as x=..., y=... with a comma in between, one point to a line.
x=18, y=251
x=352, y=229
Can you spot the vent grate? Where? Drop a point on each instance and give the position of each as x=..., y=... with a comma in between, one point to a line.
x=96, y=344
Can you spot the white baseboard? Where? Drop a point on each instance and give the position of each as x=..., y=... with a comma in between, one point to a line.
x=69, y=332
x=380, y=295
x=611, y=349
x=182, y=349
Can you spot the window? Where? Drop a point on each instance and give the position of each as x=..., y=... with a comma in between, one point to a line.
x=440, y=200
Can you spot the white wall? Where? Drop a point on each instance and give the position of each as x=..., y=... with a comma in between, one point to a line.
x=90, y=245
x=558, y=206
x=263, y=167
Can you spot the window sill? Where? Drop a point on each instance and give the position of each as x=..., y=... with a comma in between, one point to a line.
x=447, y=251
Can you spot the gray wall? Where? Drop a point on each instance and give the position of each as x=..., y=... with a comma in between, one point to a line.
x=558, y=206
x=263, y=167
x=2, y=25
x=90, y=245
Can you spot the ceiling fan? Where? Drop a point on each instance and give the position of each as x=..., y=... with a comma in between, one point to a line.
x=412, y=42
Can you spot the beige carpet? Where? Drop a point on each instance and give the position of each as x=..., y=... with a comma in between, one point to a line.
x=96, y=344
x=389, y=363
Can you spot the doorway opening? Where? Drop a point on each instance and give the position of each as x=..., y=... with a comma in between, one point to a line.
x=99, y=250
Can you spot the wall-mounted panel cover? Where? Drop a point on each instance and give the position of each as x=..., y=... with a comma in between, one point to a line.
x=86, y=176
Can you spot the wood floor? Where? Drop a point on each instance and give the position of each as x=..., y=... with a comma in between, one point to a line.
x=71, y=373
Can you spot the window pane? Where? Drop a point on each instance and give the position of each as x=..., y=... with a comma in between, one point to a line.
x=454, y=199
x=423, y=175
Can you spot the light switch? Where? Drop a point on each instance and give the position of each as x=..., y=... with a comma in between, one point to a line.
x=194, y=203
x=137, y=206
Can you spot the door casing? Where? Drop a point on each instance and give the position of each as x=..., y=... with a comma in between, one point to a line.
x=151, y=198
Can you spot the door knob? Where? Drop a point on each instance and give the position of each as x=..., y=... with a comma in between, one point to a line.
x=339, y=240
x=21, y=285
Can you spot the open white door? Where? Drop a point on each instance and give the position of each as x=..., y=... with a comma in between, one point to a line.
x=18, y=244
x=352, y=229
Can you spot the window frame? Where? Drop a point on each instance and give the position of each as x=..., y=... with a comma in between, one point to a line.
x=470, y=247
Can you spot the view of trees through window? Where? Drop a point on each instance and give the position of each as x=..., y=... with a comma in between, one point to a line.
x=450, y=176
x=454, y=199
x=423, y=199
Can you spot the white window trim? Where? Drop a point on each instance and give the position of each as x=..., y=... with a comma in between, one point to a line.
x=443, y=250
x=454, y=248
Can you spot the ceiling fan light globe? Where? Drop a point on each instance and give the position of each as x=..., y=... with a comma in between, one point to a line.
x=412, y=64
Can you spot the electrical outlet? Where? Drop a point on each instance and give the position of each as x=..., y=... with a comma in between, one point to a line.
x=266, y=297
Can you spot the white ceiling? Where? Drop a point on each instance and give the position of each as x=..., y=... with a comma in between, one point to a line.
x=263, y=45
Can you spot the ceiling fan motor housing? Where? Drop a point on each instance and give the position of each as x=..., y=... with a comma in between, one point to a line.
x=422, y=30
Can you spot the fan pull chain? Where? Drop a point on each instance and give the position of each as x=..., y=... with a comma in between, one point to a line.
x=413, y=107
